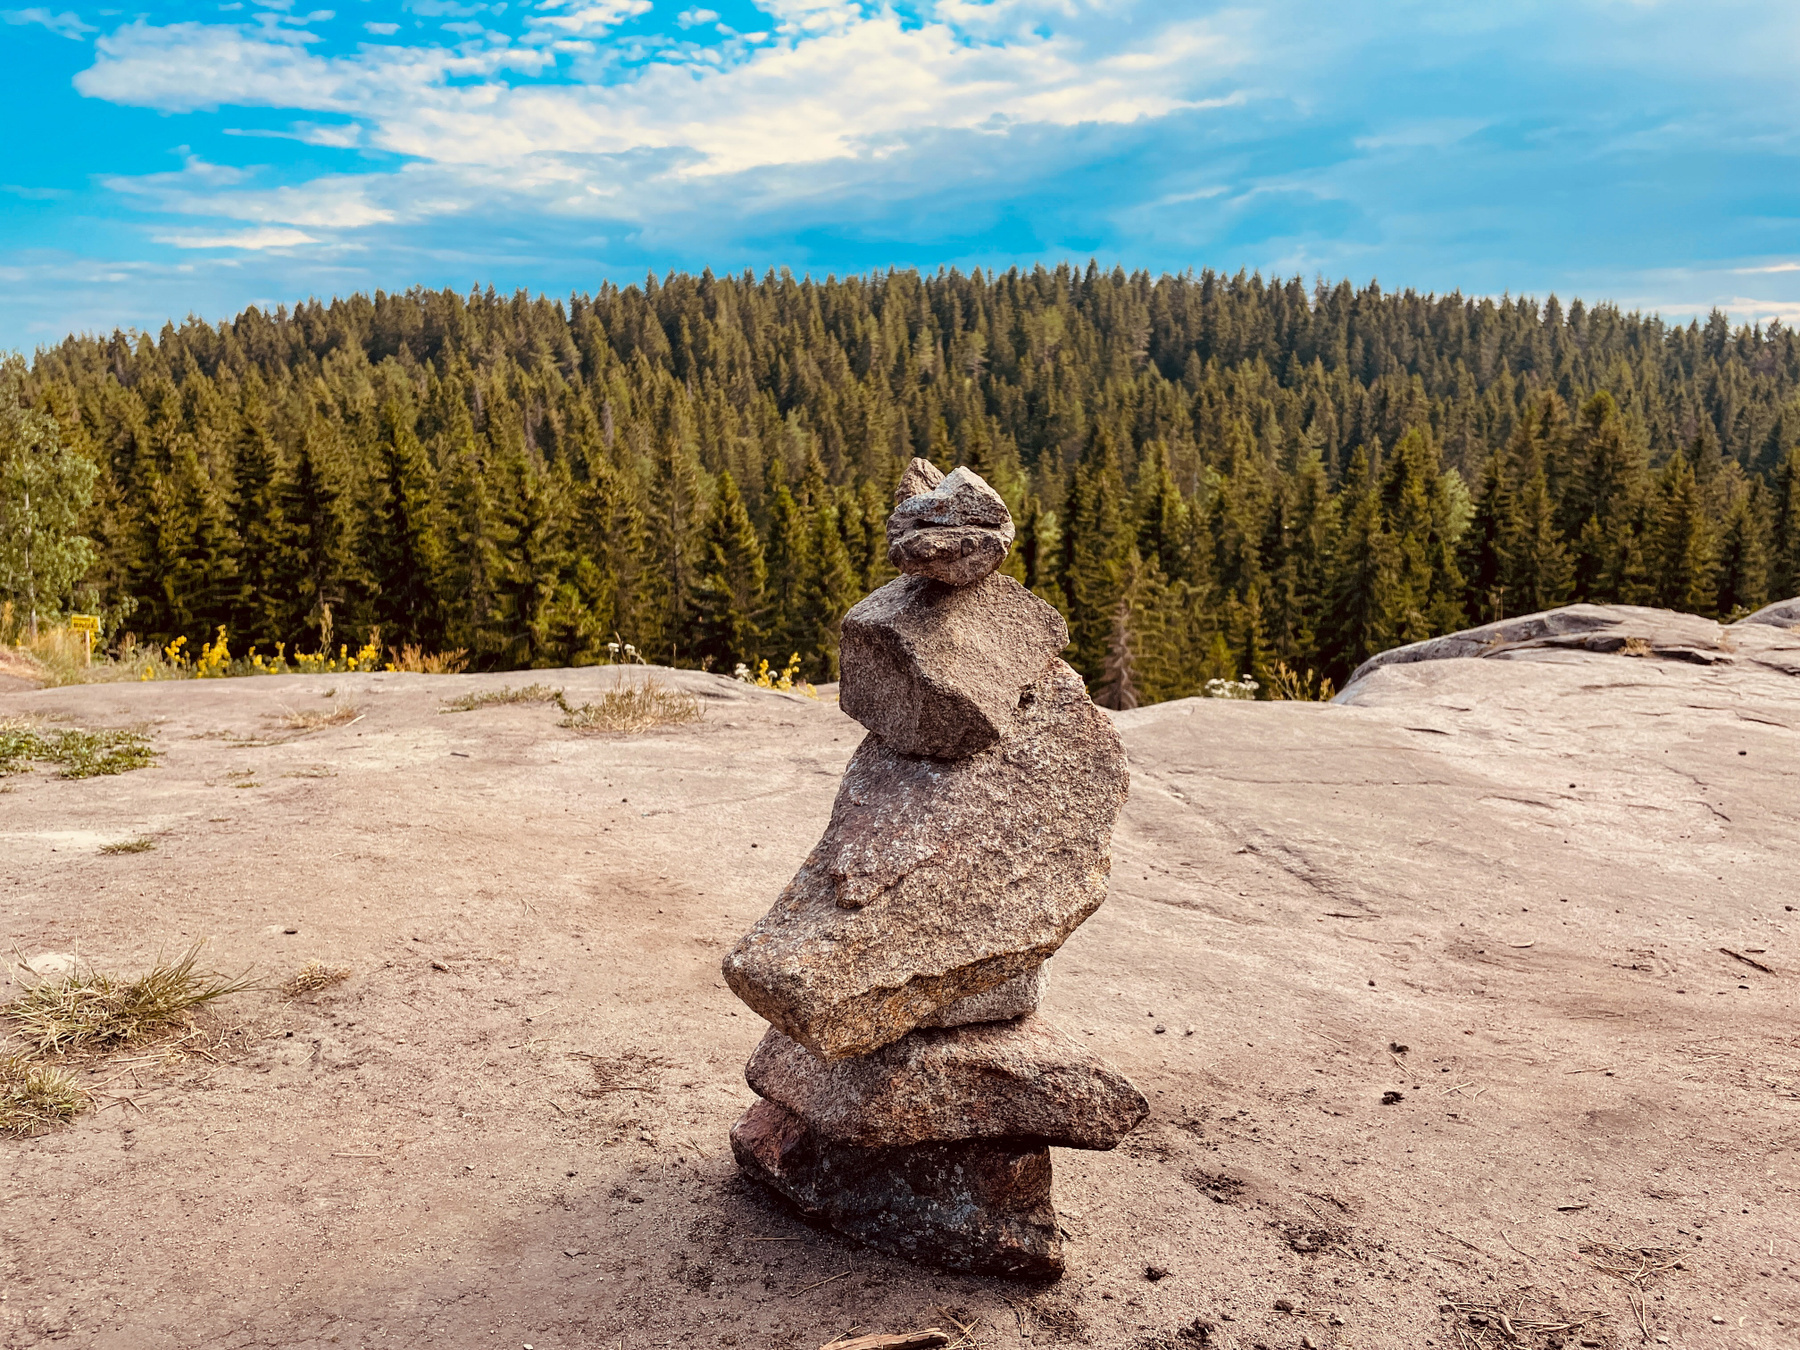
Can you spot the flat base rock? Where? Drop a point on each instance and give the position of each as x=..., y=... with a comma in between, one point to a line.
x=940, y=879
x=995, y=1080
x=938, y=670
x=1002, y=1003
x=979, y=1207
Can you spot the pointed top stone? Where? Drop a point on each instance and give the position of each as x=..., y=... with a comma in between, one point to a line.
x=957, y=531
x=920, y=477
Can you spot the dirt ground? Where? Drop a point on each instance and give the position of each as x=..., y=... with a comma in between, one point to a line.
x=1494, y=893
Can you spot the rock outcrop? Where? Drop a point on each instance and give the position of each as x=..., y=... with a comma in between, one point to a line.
x=910, y=1093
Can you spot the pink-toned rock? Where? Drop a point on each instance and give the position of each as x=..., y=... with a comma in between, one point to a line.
x=1015, y=998
x=939, y=670
x=919, y=478
x=979, y=1207
x=937, y=880
x=1021, y=1080
x=957, y=531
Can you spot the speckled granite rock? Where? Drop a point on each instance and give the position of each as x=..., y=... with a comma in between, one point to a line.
x=938, y=670
x=919, y=477
x=1021, y=1080
x=957, y=531
x=1015, y=998
x=979, y=1207
x=938, y=879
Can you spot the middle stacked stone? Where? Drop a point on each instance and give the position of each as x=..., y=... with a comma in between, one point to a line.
x=911, y=1092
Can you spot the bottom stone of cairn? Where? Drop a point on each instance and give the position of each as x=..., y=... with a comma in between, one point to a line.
x=977, y=1205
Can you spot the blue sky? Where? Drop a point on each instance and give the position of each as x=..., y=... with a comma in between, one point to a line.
x=186, y=157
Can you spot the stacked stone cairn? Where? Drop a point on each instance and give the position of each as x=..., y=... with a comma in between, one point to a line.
x=910, y=1091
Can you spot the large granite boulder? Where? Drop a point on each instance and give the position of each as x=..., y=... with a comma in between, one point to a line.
x=957, y=531
x=939, y=670
x=937, y=880
x=978, y=1206
x=997, y=1080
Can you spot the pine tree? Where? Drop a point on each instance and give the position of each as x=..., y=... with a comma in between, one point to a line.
x=258, y=530
x=790, y=560
x=1096, y=545
x=826, y=596
x=310, y=564
x=1420, y=520
x=1488, y=545
x=1366, y=593
x=1537, y=573
x=1682, y=549
x=728, y=597
x=1784, y=551
x=1743, y=563
x=672, y=540
x=403, y=543
x=479, y=541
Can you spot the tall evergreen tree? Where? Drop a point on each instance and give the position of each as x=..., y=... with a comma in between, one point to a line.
x=1682, y=548
x=403, y=543
x=1366, y=591
x=259, y=530
x=672, y=541
x=728, y=598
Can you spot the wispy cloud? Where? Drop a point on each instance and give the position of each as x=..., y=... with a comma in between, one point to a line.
x=67, y=24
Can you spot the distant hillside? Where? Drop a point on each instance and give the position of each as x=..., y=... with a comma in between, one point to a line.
x=1212, y=476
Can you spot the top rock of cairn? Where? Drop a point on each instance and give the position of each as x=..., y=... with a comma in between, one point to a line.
x=953, y=529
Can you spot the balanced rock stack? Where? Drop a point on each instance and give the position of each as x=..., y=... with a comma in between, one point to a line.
x=911, y=1092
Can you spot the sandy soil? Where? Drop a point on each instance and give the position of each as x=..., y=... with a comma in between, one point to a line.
x=1522, y=872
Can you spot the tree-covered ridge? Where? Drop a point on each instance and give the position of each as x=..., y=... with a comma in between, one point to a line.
x=1211, y=475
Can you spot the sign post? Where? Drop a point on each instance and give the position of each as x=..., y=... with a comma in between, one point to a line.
x=87, y=625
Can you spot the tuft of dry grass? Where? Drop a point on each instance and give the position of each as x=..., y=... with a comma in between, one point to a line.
x=88, y=1011
x=415, y=660
x=312, y=977
x=489, y=698
x=312, y=719
x=637, y=705
x=36, y=1097
x=139, y=845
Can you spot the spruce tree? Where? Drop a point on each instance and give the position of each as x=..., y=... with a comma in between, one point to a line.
x=790, y=560
x=728, y=597
x=310, y=566
x=1682, y=550
x=403, y=543
x=828, y=592
x=1365, y=590
x=1097, y=542
x=258, y=531
x=1743, y=562
x=672, y=537
x=1488, y=545
x=44, y=488
x=1784, y=550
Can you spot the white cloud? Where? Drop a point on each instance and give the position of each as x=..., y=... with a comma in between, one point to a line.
x=260, y=239
x=63, y=25
x=689, y=18
x=586, y=18
x=382, y=29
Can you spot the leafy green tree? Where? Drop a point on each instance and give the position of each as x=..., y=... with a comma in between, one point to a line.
x=44, y=488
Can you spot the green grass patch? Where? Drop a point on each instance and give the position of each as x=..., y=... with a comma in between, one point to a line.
x=488, y=698
x=129, y=846
x=82, y=754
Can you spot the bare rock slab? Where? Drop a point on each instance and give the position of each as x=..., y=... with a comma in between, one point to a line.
x=978, y=1207
x=939, y=670
x=937, y=880
x=956, y=531
x=1021, y=1080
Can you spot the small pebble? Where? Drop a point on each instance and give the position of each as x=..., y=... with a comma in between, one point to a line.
x=1160, y=1028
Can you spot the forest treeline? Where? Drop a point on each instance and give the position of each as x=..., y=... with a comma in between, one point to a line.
x=1211, y=475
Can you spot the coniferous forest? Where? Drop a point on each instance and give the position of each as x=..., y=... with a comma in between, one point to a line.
x=1211, y=475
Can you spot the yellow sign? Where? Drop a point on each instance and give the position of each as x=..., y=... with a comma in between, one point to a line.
x=85, y=623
